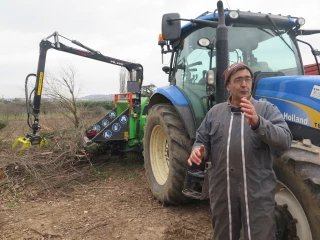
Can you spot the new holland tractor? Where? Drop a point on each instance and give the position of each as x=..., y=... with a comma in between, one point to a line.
x=200, y=51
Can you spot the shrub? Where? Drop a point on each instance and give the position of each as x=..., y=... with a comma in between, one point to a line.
x=3, y=124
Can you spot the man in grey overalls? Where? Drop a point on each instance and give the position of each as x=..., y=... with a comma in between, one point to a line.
x=240, y=136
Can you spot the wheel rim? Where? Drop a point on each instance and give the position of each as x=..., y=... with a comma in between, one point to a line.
x=285, y=196
x=159, y=155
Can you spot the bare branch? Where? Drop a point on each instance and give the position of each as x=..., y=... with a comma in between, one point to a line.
x=148, y=90
x=63, y=89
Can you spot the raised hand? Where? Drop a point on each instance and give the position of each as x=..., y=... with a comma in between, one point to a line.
x=249, y=112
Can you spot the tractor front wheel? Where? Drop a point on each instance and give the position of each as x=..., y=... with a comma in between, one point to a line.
x=166, y=150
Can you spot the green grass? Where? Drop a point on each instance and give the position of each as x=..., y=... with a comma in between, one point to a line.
x=3, y=124
x=118, y=167
x=102, y=173
x=130, y=175
x=13, y=200
x=8, y=117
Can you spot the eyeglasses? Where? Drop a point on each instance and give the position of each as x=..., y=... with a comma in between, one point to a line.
x=239, y=80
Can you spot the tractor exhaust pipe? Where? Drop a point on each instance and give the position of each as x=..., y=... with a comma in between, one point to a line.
x=222, y=57
x=196, y=184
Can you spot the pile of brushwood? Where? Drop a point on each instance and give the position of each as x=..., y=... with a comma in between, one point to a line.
x=56, y=168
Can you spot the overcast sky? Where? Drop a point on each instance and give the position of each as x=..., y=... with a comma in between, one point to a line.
x=124, y=29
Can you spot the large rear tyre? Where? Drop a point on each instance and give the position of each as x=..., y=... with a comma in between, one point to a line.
x=298, y=189
x=166, y=150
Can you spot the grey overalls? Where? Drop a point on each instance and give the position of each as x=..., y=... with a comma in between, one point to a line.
x=241, y=178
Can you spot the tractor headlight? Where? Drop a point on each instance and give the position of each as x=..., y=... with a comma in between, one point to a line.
x=233, y=14
x=301, y=21
x=210, y=77
x=204, y=42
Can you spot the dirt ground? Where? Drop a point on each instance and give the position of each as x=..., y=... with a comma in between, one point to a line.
x=115, y=203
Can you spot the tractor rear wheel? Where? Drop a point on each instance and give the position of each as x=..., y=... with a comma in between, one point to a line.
x=166, y=150
x=298, y=190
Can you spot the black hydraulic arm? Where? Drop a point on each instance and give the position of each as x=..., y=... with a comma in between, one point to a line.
x=45, y=45
x=95, y=55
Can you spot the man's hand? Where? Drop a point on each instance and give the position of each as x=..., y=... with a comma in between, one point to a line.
x=196, y=155
x=249, y=112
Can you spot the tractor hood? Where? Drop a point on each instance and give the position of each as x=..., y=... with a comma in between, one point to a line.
x=297, y=97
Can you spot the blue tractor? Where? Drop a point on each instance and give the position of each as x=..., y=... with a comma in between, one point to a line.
x=200, y=51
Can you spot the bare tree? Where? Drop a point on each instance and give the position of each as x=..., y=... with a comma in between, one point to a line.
x=64, y=90
x=148, y=90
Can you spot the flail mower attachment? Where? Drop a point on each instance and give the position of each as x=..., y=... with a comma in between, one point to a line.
x=29, y=140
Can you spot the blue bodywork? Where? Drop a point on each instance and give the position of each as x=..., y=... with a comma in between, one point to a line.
x=174, y=95
x=297, y=97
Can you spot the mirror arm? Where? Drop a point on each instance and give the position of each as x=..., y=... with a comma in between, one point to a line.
x=204, y=22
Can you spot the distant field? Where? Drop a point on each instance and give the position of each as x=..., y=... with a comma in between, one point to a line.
x=52, y=117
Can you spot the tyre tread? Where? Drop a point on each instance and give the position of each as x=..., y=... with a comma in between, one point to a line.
x=180, y=148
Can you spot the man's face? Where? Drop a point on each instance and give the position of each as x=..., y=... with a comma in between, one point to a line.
x=240, y=84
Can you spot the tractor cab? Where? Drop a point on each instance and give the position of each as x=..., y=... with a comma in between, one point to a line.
x=266, y=43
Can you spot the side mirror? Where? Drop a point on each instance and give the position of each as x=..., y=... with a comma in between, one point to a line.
x=166, y=69
x=171, y=28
